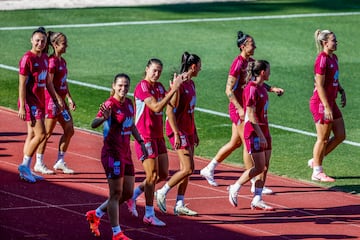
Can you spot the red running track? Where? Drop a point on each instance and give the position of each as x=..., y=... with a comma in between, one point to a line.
x=54, y=208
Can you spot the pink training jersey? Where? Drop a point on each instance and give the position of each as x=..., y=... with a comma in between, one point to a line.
x=35, y=69
x=149, y=123
x=57, y=66
x=238, y=70
x=328, y=66
x=118, y=128
x=184, y=113
x=255, y=96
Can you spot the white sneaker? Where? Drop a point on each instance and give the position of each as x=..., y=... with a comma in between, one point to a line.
x=233, y=196
x=161, y=201
x=310, y=163
x=261, y=205
x=209, y=176
x=266, y=190
x=62, y=166
x=131, y=204
x=154, y=221
x=183, y=210
x=41, y=168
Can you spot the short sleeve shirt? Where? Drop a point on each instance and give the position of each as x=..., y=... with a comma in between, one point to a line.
x=118, y=128
x=57, y=66
x=35, y=68
x=149, y=124
x=255, y=96
x=184, y=113
x=328, y=66
x=238, y=70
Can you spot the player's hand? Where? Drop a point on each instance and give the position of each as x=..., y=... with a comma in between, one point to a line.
x=72, y=105
x=22, y=114
x=106, y=110
x=177, y=141
x=278, y=91
x=343, y=98
x=328, y=114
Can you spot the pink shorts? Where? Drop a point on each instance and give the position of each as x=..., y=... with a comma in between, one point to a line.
x=51, y=110
x=186, y=141
x=252, y=141
x=234, y=116
x=115, y=168
x=317, y=110
x=154, y=147
x=34, y=112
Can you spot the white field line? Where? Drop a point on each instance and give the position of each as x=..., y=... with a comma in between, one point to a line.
x=89, y=85
x=111, y=24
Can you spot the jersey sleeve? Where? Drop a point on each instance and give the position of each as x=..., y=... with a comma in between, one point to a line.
x=24, y=65
x=251, y=99
x=320, y=65
x=52, y=65
x=235, y=67
x=142, y=91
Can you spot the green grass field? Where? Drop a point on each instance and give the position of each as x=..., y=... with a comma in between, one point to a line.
x=96, y=53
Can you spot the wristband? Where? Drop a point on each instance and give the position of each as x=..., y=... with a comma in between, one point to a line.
x=268, y=87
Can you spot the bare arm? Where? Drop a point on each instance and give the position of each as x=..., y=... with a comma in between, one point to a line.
x=231, y=81
x=343, y=96
x=156, y=106
x=278, y=91
x=71, y=101
x=172, y=119
x=50, y=87
x=250, y=111
x=22, y=96
x=319, y=84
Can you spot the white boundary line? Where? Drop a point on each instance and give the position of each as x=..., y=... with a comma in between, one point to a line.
x=111, y=24
x=190, y=21
x=89, y=85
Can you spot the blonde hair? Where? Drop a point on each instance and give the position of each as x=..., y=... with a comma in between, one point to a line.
x=53, y=38
x=320, y=37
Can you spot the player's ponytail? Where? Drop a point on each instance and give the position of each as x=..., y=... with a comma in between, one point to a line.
x=321, y=36
x=254, y=69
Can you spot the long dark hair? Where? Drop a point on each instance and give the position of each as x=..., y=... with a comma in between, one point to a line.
x=187, y=60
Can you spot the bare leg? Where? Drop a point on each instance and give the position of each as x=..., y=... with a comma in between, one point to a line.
x=338, y=129
x=115, y=193
x=323, y=132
